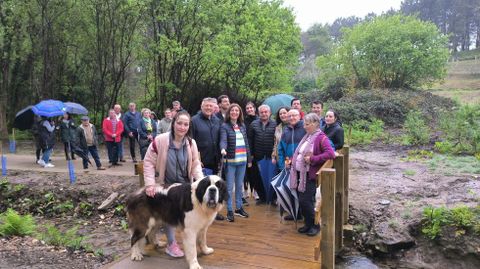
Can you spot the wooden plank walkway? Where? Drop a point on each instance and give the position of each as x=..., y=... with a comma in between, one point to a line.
x=260, y=241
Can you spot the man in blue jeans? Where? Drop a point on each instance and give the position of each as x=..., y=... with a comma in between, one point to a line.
x=87, y=141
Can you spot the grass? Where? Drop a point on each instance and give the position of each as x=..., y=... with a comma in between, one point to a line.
x=12, y=223
x=451, y=165
x=409, y=172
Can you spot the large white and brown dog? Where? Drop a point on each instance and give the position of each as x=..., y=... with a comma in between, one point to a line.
x=191, y=207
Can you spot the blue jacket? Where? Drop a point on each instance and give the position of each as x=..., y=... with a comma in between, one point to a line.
x=228, y=140
x=289, y=142
x=206, y=133
x=142, y=129
x=131, y=121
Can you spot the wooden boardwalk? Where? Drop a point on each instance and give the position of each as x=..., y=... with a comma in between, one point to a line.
x=260, y=241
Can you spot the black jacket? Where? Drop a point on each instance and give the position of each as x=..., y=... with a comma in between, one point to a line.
x=67, y=131
x=261, y=140
x=228, y=140
x=206, y=133
x=47, y=137
x=81, y=141
x=248, y=120
x=335, y=134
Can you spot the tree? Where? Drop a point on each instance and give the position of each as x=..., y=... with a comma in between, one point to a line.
x=389, y=52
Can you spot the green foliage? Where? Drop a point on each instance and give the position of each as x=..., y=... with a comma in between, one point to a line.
x=462, y=218
x=388, y=52
x=11, y=223
x=53, y=236
x=85, y=209
x=364, y=132
x=417, y=131
x=64, y=207
x=409, y=172
x=460, y=131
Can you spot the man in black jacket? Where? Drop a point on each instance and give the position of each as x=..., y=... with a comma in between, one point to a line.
x=261, y=137
x=130, y=123
x=206, y=132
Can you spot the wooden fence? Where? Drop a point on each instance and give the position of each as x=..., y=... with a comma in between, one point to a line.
x=333, y=178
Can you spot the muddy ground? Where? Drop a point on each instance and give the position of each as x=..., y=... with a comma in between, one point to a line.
x=387, y=194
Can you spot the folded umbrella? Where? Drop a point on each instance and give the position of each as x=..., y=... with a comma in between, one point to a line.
x=49, y=108
x=286, y=197
x=74, y=108
x=267, y=171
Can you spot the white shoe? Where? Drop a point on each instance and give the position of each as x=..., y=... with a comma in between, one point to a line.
x=49, y=165
x=41, y=162
x=255, y=195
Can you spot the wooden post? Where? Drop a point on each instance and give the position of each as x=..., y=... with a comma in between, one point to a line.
x=346, y=178
x=338, y=164
x=327, y=243
x=139, y=172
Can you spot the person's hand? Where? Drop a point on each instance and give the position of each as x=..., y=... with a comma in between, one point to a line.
x=306, y=158
x=114, y=135
x=249, y=164
x=223, y=152
x=150, y=190
x=337, y=154
x=130, y=134
x=274, y=161
x=150, y=137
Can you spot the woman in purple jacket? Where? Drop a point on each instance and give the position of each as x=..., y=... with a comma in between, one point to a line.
x=312, y=152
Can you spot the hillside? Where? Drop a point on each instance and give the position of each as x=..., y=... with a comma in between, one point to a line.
x=462, y=82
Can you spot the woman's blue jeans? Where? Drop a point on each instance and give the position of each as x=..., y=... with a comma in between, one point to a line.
x=235, y=175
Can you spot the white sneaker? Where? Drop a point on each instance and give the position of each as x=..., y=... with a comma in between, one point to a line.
x=41, y=162
x=255, y=195
x=49, y=165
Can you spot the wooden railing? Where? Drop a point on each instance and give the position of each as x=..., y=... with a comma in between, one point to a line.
x=333, y=178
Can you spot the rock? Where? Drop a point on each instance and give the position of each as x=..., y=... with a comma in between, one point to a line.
x=384, y=202
x=388, y=239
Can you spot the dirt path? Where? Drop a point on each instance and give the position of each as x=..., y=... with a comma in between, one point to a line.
x=387, y=195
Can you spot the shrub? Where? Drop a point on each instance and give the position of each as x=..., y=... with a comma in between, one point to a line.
x=417, y=132
x=364, y=132
x=462, y=218
x=461, y=131
x=11, y=223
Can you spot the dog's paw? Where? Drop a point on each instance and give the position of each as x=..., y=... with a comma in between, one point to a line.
x=160, y=244
x=207, y=250
x=195, y=265
x=136, y=256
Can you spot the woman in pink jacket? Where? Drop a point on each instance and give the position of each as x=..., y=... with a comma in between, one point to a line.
x=174, y=155
x=112, y=129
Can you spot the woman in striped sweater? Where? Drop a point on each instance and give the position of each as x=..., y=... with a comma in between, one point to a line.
x=234, y=146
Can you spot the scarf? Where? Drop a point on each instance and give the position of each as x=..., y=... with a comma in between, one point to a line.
x=148, y=124
x=300, y=185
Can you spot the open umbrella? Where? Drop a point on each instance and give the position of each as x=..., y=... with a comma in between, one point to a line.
x=277, y=101
x=24, y=119
x=49, y=108
x=74, y=108
x=286, y=197
x=267, y=171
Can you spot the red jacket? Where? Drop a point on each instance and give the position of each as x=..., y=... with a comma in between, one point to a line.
x=107, y=129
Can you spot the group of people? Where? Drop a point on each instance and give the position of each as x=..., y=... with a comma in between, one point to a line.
x=138, y=127
x=221, y=138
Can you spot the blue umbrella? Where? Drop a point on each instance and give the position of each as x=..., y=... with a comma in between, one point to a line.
x=267, y=171
x=277, y=101
x=74, y=108
x=49, y=108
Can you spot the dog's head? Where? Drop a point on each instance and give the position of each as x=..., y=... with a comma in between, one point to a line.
x=211, y=191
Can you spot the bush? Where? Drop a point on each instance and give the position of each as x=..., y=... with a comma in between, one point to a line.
x=417, y=131
x=462, y=218
x=364, y=132
x=460, y=131
x=388, y=52
x=11, y=223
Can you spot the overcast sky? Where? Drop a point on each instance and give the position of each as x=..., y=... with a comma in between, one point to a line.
x=309, y=12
